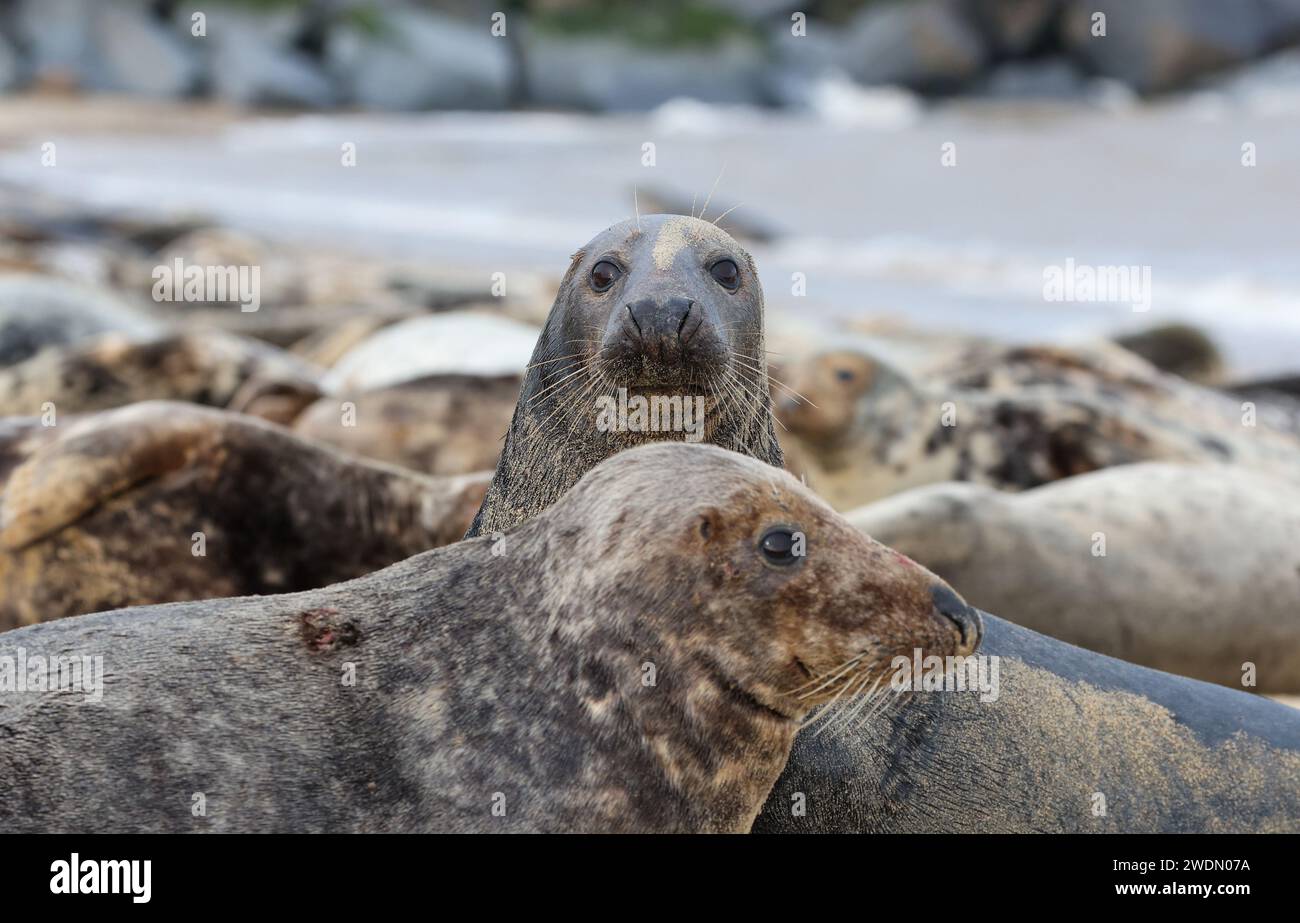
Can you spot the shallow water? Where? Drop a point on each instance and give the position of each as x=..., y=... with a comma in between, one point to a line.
x=869, y=214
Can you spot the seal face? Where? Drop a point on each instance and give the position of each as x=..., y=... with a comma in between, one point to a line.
x=630, y=660
x=656, y=334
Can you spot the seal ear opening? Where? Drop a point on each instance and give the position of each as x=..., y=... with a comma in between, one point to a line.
x=707, y=524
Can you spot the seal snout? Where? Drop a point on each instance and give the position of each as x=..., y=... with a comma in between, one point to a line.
x=662, y=327
x=966, y=618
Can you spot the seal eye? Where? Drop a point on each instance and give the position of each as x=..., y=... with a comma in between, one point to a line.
x=844, y=374
x=779, y=546
x=726, y=274
x=604, y=274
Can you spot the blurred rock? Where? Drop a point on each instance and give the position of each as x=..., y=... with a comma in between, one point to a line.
x=253, y=61
x=10, y=66
x=421, y=61
x=1159, y=45
x=926, y=45
x=1013, y=27
x=56, y=36
x=608, y=75
x=1052, y=78
x=1283, y=21
x=139, y=54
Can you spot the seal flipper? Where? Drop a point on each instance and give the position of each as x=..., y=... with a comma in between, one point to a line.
x=97, y=459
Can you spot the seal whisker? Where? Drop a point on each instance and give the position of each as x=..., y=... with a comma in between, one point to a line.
x=727, y=212
x=573, y=401
x=709, y=198
x=827, y=677
x=857, y=689
x=819, y=713
x=887, y=703
x=759, y=400
x=864, y=700
x=556, y=384
x=533, y=365
x=774, y=380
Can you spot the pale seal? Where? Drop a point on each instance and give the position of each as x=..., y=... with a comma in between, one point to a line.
x=637, y=658
x=1013, y=420
x=442, y=424
x=452, y=343
x=1189, y=569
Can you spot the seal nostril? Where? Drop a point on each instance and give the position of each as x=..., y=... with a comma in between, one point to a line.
x=690, y=306
x=954, y=609
x=632, y=315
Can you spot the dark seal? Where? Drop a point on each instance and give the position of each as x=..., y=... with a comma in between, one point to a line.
x=662, y=309
x=159, y=502
x=1075, y=742
x=637, y=658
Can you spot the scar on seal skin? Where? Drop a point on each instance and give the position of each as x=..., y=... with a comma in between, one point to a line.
x=158, y=502
x=1013, y=419
x=515, y=679
x=661, y=306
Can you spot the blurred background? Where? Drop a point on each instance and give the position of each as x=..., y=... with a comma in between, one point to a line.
x=919, y=162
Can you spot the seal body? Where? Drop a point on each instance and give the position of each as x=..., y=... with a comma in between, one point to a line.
x=39, y=312
x=1075, y=742
x=443, y=424
x=451, y=343
x=210, y=368
x=1190, y=569
x=630, y=660
x=665, y=313
x=159, y=502
x=1014, y=419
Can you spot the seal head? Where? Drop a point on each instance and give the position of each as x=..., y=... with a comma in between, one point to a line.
x=664, y=309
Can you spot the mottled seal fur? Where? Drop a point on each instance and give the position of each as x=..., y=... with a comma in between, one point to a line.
x=1014, y=419
x=636, y=658
x=666, y=325
x=210, y=368
x=443, y=424
x=1076, y=742
x=1200, y=572
x=103, y=511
